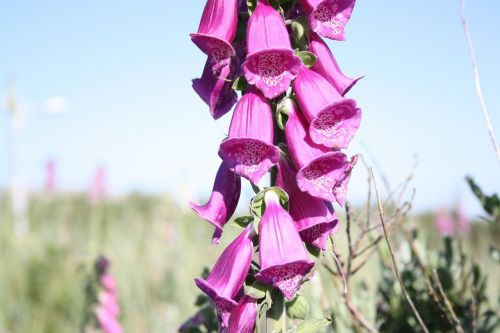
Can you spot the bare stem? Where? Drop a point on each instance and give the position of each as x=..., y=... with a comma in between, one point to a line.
x=458, y=325
x=477, y=81
x=395, y=266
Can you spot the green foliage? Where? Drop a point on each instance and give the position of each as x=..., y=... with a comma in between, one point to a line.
x=313, y=325
x=153, y=246
x=462, y=283
x=491, y=203
x=297, y=308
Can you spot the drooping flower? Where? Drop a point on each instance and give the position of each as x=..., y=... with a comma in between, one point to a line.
x=323, y=173
x=283, y=257
x=329, y=17
x=271, y=64
x=315, y=218
x=248, y=150
x=217, y=30
x=333, y=120
x=327, y=66
x=223, y=200
x=244, y=316
x=228, y=274
x=215, y=89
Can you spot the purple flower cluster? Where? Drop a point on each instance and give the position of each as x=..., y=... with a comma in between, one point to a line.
x=305, y=152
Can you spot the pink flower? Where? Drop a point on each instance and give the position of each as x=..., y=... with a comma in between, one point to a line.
x=228, y=274
x=323, y=173
x=327, y=66
x=283, y=257
x=51, y=176
x=223, y=200
x=107, y=322
x=244, y=316
x=98, y=186
x=248, y=150
x=271, y=64
x=444, y=223
x=217, y=30
x=215, y=89
x=329, y=17
x=333, y=120
x=315, y=218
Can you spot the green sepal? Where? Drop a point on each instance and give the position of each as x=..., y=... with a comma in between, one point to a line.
x=308, y=58
x=257, y=290
x=240, y=84
x=242, y=221
x=258, y=206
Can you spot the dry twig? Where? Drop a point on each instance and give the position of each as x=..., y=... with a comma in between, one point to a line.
x=477, y=82
x=395, y=266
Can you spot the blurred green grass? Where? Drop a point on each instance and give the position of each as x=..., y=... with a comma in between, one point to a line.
x=156, y=250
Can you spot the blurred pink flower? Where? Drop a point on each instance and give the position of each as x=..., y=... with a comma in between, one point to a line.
x=98, y=187
x=452, y=224
x=51, y=176
x=108, y=309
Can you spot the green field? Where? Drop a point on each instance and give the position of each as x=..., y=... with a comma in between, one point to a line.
x=156, y=250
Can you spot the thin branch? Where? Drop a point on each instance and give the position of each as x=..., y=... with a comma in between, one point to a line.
x=395, y=266
x=341, y=271
x=349, y=238
x=477, y=81
x=458, y=325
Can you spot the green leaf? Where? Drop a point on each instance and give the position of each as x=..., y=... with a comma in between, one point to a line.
x=308, y=58
x=240, y=83
x=243, y=221
x=491, y=204
x=297, y=308
x=257, y=290
x=313, y=325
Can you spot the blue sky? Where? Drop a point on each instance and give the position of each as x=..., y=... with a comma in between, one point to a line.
x=125, y=70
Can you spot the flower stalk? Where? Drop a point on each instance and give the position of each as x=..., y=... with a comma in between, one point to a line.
x=286, y=137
